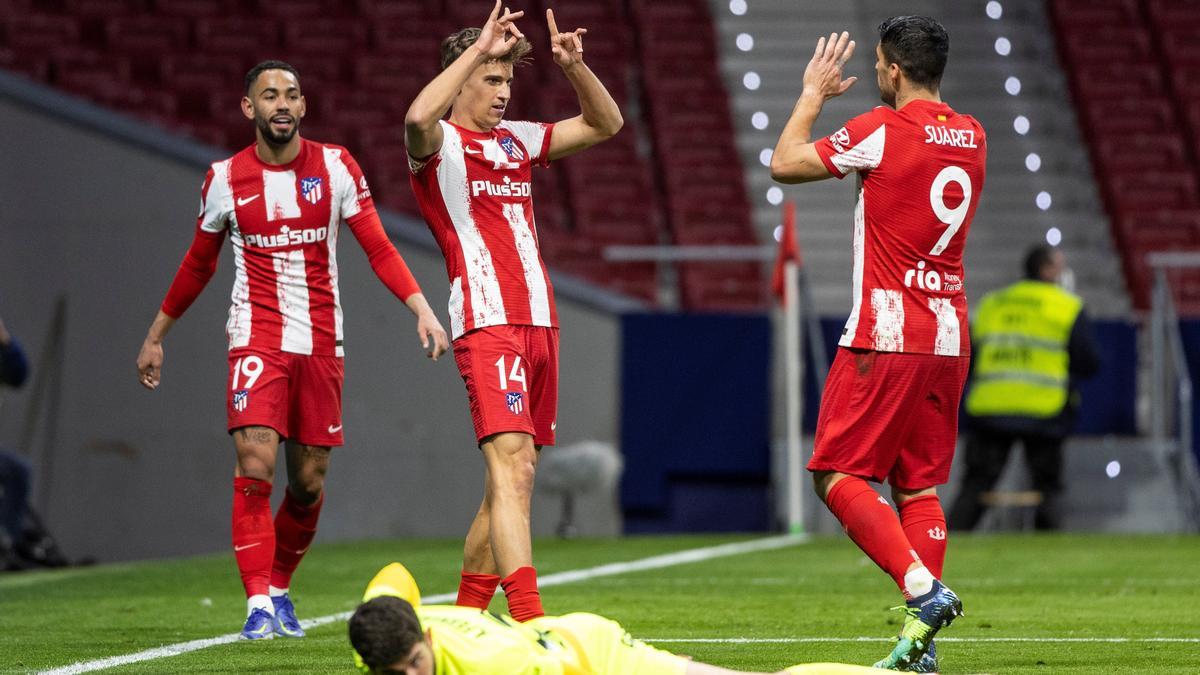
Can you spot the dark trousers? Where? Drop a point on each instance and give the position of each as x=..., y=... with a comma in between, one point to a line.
x=14, y=496
x=986, y=454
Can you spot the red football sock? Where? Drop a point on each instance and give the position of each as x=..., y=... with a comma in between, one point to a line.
x=295, y=527
x=524, y=601
x=253, y=533
x=476, y=590
x=873, y=525
x=925, y=526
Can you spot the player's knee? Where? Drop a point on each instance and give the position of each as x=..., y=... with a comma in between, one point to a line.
x=254, y=467
x=307, y=487
x=515, y=480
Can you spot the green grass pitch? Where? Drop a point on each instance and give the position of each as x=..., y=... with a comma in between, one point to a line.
x=1034, y=604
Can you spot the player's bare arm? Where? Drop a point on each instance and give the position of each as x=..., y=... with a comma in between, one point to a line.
x=795, y=159
x=150, y=358
x=422, y=134
x=600, y=117
x=429, y=329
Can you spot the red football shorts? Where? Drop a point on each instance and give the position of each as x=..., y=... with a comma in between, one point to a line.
x=511, y=373
x=296, y=395
x=890, y=415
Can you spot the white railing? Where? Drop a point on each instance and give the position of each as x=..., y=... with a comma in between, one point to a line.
x=1171, y=393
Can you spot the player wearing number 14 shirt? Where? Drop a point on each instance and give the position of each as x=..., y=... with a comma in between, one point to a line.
x=281, y=201
x=890, y=406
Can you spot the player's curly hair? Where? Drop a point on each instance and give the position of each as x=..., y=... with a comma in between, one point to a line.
x=384, y=630
x=455, y=45
x=919, y=44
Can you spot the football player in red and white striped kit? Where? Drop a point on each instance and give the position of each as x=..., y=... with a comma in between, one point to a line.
x=281, y=201
x=890, y=406
x=471, y=176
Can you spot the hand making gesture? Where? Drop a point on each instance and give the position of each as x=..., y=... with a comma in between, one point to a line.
x=567, y=47
x=499, y=33
x=824, y=72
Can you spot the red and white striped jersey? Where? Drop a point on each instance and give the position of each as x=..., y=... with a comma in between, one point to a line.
x=475, y=195
x=283, y=223
x=920, y=173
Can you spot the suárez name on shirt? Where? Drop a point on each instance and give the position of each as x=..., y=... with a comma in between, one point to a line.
x=505, y=189
x=958, y=138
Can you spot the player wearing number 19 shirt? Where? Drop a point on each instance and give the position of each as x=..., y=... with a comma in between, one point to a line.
x=471, y=176
x=890, y=406
x=281, y=202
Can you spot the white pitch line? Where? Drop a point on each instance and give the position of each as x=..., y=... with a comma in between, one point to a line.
x=799, y=640
x=571, y=576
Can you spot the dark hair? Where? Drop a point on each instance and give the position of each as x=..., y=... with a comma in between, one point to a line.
x=1037, y=258
x=384, y=630
x=919, y=45
x=455, y=45
x=252, y=76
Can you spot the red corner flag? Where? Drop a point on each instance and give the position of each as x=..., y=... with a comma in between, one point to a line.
x=789, y=249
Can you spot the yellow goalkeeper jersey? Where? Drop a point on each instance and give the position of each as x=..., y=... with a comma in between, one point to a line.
x=468, y=641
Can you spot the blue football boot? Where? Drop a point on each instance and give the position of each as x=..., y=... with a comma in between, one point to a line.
x=258, y=626
x=285, y=623
x=927, y=615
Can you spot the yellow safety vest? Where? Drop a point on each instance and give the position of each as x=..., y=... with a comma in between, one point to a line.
x=1021, y=362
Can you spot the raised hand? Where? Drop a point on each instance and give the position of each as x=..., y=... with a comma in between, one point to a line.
x=567, y=48
x=824, y=72
x=499, y=33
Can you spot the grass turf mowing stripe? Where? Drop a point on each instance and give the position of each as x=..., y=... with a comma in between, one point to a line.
x=570, y=576
x=750, y=641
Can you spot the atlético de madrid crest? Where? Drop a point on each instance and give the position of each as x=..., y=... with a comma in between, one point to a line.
x=311, y=189
x=512, y=149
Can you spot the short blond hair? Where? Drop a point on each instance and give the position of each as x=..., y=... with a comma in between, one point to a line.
x=455, y=45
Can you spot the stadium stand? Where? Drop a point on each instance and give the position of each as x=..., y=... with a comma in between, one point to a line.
x=1132, y=66
x=764, y=76
x=178, y=64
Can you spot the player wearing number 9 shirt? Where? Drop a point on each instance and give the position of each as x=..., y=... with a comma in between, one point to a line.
x=890, y=406
x=281, y=201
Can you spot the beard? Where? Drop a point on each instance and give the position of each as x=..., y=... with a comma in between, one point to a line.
x=888, y=97
x=273, y=137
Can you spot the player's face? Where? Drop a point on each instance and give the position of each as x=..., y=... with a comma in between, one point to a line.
x=276, y=106
x=485, y=95
x=419, y=661
x=884, y=74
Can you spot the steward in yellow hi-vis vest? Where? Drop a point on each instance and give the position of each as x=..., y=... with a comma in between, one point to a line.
x=1020, y=336
x=392, y=632
x=1030, y=342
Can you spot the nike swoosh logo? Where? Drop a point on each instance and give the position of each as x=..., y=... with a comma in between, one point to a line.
x=302, y=551
x=243, y=548
x=472, y=152
x=333, y=429
x=247, y=200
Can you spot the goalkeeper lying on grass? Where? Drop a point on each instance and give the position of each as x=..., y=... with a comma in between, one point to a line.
x=393, y=633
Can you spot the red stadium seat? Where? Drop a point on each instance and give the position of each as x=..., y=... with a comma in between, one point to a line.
x=255, y=38
x=398, y=9
x=722, y=287
x=103, y=8
x=147, y=35
x=326, y=36
x=1096, y=12
x=1126, y=116
x=1134, y=191
x=194, y=9
x=1115, y=79
x=40, y=31
x=1124, y=44
x=1181, y=45
x=32, y=65
x=1142, y=152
